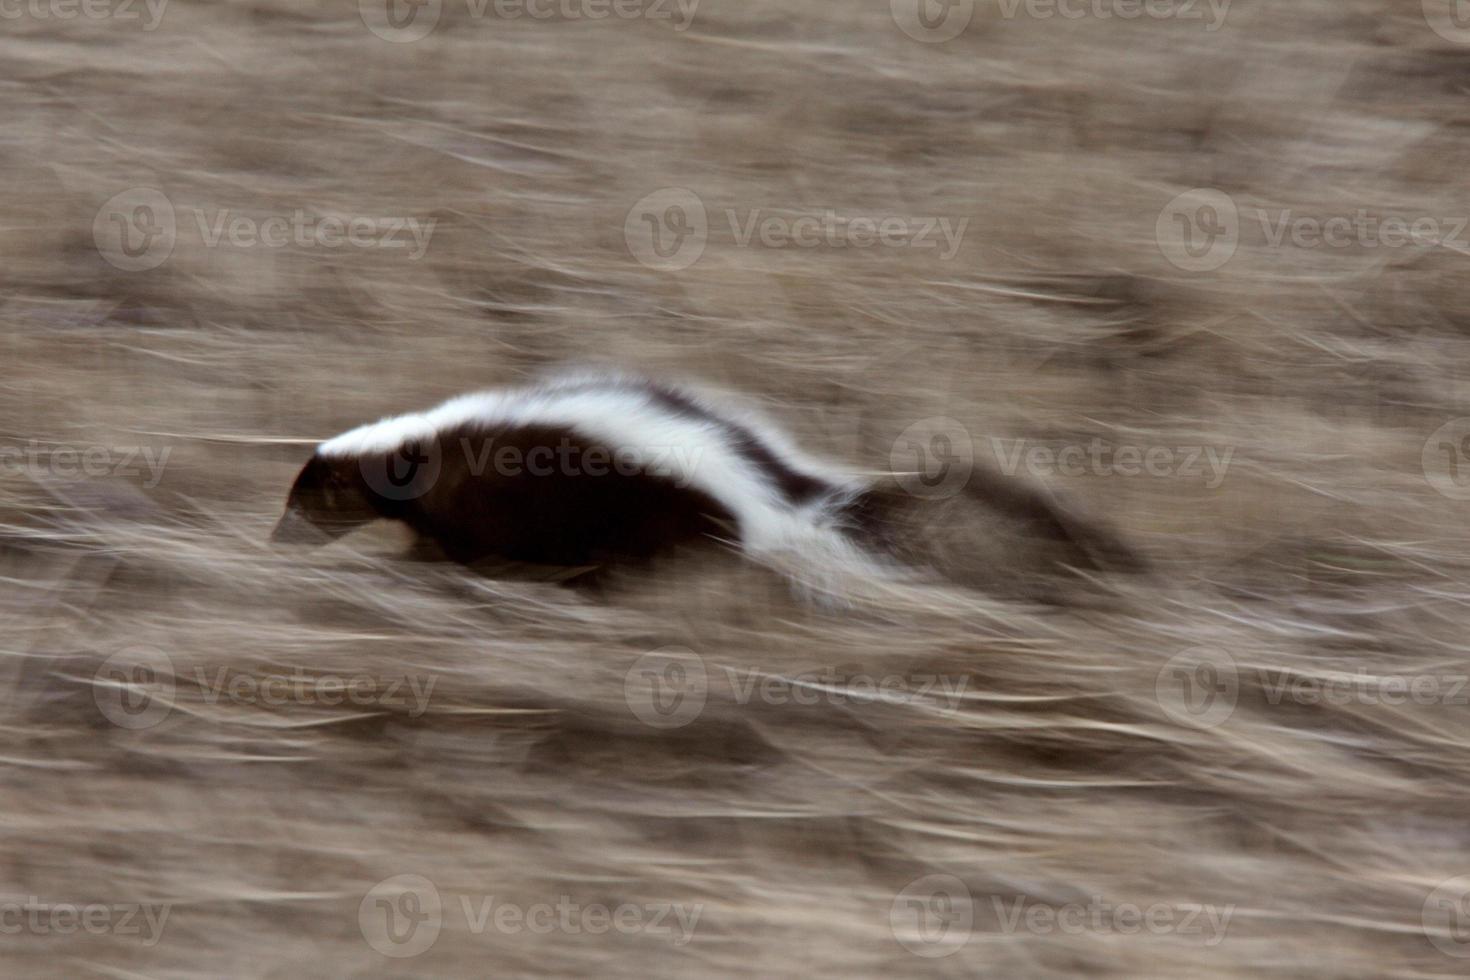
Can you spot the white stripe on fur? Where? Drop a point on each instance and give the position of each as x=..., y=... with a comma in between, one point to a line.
x=621, y=414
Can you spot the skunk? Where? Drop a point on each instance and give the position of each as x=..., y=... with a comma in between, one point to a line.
x=605, y=469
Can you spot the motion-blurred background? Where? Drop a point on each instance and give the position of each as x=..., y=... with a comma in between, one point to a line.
x=1198, y=267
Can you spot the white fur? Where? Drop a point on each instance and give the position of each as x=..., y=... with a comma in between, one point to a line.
x=618, y=413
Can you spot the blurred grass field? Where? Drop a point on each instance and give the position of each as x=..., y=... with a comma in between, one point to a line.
x=159, y=304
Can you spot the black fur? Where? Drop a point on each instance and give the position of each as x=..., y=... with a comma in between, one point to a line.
x=532, y=512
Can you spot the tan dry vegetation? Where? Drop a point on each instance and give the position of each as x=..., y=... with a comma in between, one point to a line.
x=1058, y=778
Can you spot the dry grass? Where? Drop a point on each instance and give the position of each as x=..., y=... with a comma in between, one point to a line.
x=1059, y=777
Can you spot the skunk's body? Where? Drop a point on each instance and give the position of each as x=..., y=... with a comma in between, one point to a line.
x=575, y=472
x=589, y=471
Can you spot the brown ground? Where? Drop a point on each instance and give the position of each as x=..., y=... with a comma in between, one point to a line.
x=1066, y=774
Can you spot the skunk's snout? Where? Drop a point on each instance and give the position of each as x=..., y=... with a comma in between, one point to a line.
x=295, y=530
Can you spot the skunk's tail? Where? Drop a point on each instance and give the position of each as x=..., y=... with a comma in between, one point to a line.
x=995, y=532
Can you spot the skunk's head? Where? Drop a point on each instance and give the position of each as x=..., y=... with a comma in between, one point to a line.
x=329, y=498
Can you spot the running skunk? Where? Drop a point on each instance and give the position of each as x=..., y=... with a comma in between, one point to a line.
x=596, y=470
